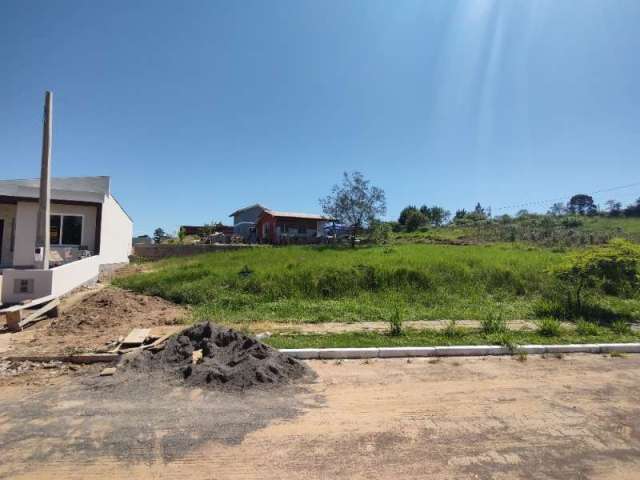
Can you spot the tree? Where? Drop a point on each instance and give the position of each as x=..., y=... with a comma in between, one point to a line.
x=438, y=215
x=557, y=209
x=415, y=220
x=380, y=232
x=355, y=202
x=159, y=235
x=633, y=210
x=460, y=214
x=582, y=205
x=402, y=219
x=614, y=208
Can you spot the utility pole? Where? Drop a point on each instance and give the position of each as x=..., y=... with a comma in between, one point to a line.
x=44, y=204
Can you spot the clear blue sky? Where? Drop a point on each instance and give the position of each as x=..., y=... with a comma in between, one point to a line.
x=196, y=108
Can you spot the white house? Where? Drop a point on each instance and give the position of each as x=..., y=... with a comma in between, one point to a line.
x=89, y=230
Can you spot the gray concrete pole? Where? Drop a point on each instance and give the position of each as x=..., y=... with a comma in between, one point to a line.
x=44, y=205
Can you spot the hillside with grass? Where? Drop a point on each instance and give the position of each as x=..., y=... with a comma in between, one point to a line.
x=543, y=230
x=414, y=281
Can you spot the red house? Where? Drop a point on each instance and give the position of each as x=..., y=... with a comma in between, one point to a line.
x=282, y=228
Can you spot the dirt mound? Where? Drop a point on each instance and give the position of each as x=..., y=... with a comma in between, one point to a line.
x=112, y=308
x=207, y=355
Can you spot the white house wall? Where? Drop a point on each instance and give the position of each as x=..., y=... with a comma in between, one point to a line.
x=8, y=214
x=116, y=233
x=26, y=220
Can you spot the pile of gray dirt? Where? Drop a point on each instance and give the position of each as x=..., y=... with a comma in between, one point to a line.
x=208, y=355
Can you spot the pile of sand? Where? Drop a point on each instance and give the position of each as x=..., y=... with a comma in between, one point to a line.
x=223, y=358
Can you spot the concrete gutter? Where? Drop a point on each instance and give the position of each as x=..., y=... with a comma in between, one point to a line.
x=456, y=351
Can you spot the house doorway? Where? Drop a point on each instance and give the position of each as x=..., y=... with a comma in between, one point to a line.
x=1, y=237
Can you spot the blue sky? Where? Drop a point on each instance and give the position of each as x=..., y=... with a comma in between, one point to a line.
x=197, y=108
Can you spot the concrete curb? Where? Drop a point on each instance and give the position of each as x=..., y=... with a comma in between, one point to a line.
x=456, y=351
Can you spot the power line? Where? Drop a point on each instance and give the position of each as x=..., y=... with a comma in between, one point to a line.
x=558, y=199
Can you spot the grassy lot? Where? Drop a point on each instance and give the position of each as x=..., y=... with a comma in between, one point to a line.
x=416, y=282
x=432, y=338
x=548, y=231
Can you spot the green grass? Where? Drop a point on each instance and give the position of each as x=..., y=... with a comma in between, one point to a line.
x=432, y=338
x=308, y=284
x=311, y=284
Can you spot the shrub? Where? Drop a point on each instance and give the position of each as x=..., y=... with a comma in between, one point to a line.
x=612, y=267
x=494, y=323
x=395, y=322
x=586, y=328
x=549, y=327
x=452, y=330
x=621, y=327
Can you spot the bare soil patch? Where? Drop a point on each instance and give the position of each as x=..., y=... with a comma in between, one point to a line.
x=93, y=321
x=482, y=418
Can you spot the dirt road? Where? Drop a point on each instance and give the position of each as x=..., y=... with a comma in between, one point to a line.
x=499, y=418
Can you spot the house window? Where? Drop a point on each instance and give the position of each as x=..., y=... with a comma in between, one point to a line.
x=66, y=230
x=302, y=230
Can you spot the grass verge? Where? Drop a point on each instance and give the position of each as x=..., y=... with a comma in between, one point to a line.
x=433, y=338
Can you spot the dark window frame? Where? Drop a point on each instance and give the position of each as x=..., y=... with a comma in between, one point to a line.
x=61, y=230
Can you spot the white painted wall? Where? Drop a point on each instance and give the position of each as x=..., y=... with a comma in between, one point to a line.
x=42, y=282
x=26, y=220
x=55, y=281
x=8, y=214
x=116, y=233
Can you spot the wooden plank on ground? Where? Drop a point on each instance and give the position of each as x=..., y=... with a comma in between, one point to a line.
x=77, y=358
x=31, y=304
x=137, y=336
x=33, y=316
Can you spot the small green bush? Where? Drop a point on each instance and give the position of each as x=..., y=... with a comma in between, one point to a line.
x=549, y=327
x=494, y=323
x=621, y=327
x=395, y=322
x=452, y=330
x=586, y=328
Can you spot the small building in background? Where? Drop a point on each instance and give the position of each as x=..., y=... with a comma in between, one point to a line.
x=245, y=220
x=142, y=240
x=282, y=228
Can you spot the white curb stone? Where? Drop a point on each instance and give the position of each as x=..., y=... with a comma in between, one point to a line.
x=455, y=351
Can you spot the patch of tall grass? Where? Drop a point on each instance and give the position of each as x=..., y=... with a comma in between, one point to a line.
x=310, y=284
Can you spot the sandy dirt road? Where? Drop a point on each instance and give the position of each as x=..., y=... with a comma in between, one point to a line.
x=574, y=417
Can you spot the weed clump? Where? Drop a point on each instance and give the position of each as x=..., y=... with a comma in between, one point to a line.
x=395, y=322
x=452, y=331
x=549, y=327
x=493, y=324
x=621, y=327
x=590, y=329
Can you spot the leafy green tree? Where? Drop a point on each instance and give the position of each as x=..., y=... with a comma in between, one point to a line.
x=402, y=219
x=380, y=232
x=557, y=209
x=614, y=208
x=436, y=215
x=612, y=267
x=633, y=210
x=582, y=204
x=159, y=235
x=355, y=202
x=415, y=220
